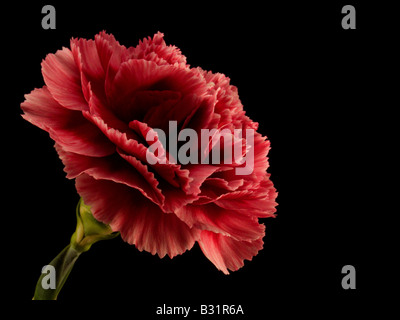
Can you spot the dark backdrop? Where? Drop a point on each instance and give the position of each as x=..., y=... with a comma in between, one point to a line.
x=309, y=84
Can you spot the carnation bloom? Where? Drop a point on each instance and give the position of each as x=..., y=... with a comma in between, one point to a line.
x=100, y=100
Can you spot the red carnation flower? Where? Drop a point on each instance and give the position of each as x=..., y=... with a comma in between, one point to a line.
x=101, y=100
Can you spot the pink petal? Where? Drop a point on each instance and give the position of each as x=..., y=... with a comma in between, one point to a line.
x=202, y=116
x=138, y=75
x=113, y=168
x=170, y=172
x=259, y=202
x=175, y=198
x=160, y=116
x=89, y=58
x=90, y=63
x=198, y=174
x=67, y=127
x=139, y=220
x=183, y=183
x=226, y=253
x=173, y=181
x=144, y=103
x=119, y=138
x=111, y=55
x=97, y=108
x=261, y=150
x=157, y=51
x=227, y=94
x=107, y=46
x=213, y=188
x=236, y=224
x=192, y=111
x=62, y=77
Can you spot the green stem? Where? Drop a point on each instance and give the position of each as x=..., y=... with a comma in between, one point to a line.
x=63, y=265
x=88, y=231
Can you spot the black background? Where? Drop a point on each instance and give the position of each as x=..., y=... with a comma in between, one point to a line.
x=310, y=84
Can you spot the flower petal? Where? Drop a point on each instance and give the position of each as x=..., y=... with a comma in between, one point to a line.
x=226, y=253
x=236, y=224
x=111, y=55
x=139, y=220
x=89, y=59
x=62, y=78
x=198, y=174
x=172, y=173
x=113, y=168
x=192, y=112
x=92, y=62
x=67, y=127
x=135, y=75
x=157, y=51
x=213, y=188
x=144, y=103
x=259, y=202
x=107, y=46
